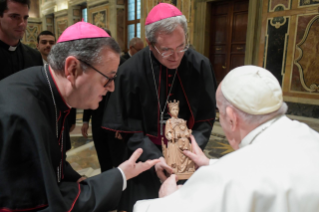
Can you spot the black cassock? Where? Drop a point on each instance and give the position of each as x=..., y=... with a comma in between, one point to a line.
x=34, y=175
x=133, y=110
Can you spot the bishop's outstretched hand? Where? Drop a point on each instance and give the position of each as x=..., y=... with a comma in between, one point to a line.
x=132, y=169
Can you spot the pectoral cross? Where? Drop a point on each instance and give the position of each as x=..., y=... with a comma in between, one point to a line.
x=161, y=123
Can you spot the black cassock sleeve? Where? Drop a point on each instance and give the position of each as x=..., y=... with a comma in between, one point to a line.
x=101, y=192
x=28, y=178
x=69, y=173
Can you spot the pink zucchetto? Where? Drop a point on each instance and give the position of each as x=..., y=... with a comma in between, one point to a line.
x=162, y=11
x=82, y=30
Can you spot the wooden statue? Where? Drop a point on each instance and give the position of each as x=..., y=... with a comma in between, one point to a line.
x=177, y=134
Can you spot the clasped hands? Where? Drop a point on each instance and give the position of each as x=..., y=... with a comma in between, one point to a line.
x=165, y=172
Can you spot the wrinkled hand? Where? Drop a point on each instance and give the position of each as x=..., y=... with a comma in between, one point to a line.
x=197, y=155
x=118, y=135
x=81, y=179
x=169, y=186
x=163, y=170
x=132, y=169
x=84, y=130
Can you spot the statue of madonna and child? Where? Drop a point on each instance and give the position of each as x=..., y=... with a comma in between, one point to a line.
x=178, y=139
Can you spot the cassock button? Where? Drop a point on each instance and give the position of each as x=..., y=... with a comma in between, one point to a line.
x=169, y=85
x=171, y=94
x=170, y=75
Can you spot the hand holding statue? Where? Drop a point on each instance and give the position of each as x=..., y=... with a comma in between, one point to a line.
x=169, y=186
x=163, y=170
x=197, y=155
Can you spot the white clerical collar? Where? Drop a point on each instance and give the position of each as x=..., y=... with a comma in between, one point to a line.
x=249, y=138
x=12, y=48
x=129, y=53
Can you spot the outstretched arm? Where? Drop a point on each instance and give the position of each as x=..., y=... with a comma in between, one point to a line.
x=132, y=169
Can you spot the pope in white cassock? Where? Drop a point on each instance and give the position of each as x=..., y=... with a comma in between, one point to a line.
x=275, y=167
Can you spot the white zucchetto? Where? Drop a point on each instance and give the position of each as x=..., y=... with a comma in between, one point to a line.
x=253, y=90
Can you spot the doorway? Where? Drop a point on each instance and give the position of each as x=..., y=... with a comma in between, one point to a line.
x=228, y=29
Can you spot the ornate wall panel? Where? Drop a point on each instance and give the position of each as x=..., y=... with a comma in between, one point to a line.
x=121, y=28
x=99, y=16
x=307, y=3
x=77, y=15
x=61, y=25
x=32, y=31
x=306, y=62
x=276, y=46
x=293, y=48
x=276, y=5
x=120, y=2
x=50, y=23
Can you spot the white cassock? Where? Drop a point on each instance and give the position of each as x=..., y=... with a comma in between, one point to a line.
x=276, y=169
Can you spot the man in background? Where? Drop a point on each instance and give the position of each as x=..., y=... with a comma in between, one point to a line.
x=165, y=70
x=135, y=45
x=46, y=40
x=15, y=56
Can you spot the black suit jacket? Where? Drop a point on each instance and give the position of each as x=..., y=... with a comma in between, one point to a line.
x=124, y=57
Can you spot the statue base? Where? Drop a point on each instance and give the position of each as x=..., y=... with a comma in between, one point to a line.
x=184, y=176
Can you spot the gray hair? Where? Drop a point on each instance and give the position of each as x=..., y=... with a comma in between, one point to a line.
x=134, y=41
x=166, y=26
x=87, y=50
x=250, y=119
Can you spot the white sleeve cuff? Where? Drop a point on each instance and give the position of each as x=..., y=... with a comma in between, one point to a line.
x=212, y=161
x=124, y=179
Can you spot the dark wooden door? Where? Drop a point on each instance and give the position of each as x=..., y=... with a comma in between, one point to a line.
x=228, y=35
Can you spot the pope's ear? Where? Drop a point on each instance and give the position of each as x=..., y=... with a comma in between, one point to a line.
x=72, y=69
x=231, y=117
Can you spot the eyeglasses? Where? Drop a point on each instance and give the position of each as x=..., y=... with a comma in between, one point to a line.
x=169, y=52
x=108, y=80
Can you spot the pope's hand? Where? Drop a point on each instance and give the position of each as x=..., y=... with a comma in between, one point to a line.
x=163, y=170
x=132, y=169
x=197, y=155
x=169, y=186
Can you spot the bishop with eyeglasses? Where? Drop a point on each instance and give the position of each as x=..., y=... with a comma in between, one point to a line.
x=165, y=70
